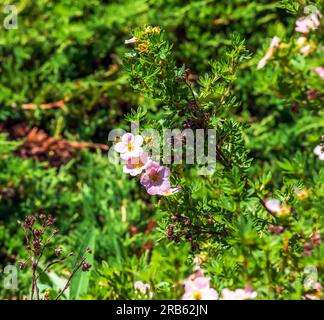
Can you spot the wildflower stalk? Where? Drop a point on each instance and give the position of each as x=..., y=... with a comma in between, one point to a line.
x=35, y=230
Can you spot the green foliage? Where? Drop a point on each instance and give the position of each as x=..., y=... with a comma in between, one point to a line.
x=80, y=282
x=193, y=66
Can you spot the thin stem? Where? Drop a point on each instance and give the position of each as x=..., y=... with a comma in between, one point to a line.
x=76, y=268
x=191, y=90
x=50, y=265
x=264, y=206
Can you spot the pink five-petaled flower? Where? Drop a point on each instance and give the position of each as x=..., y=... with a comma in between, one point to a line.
x=306, y=24
x=318, y=150
x=238, y=294
x=199, y=289
x=274, y=206
x=135, y=165
x=320, y=72
x=129, y=146
x=156, y=178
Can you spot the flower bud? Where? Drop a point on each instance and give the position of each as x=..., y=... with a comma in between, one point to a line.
x=86, y=266
x=58, y=251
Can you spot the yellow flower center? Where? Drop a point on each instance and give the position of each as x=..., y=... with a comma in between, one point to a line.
x=197, y=295
x=130, y=146
x=138, y=165
x=284, y=211
x=117, y=139
x=142, y=48
x=302, y=194
x=202, y=258
x=154, y=177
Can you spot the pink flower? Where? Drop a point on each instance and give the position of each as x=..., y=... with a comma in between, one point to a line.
x=316, y=292
x=238, y=294
x=131, y=40
x=156, y=179
x=320, y=72
x=135, y=165
x=302, y=25
x=318, y=150
x=306, y=24
x=143, y=288
x=274, y=206
x=129, y=146
x=199, y=289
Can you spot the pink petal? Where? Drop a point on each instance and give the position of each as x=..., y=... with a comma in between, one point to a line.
x=314, y=19
x=320, y=72
x=273, y=205
x=133, y=154
x=165, y=186
x=120, y=147
x=153, y=190
x=145, y=180
x=131, y=40
x=172, y=191
x=201, y=283
x=262, y=63
x=209, y=294
x=317, y=150
x=138, y=140
x=164, y=172
x=275, y=42
x=127, y=137
x=153, y=165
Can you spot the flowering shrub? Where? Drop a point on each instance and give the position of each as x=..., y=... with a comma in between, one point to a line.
x=217, y=193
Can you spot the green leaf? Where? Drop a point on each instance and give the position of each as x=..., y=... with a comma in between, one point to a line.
x=80, y=282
